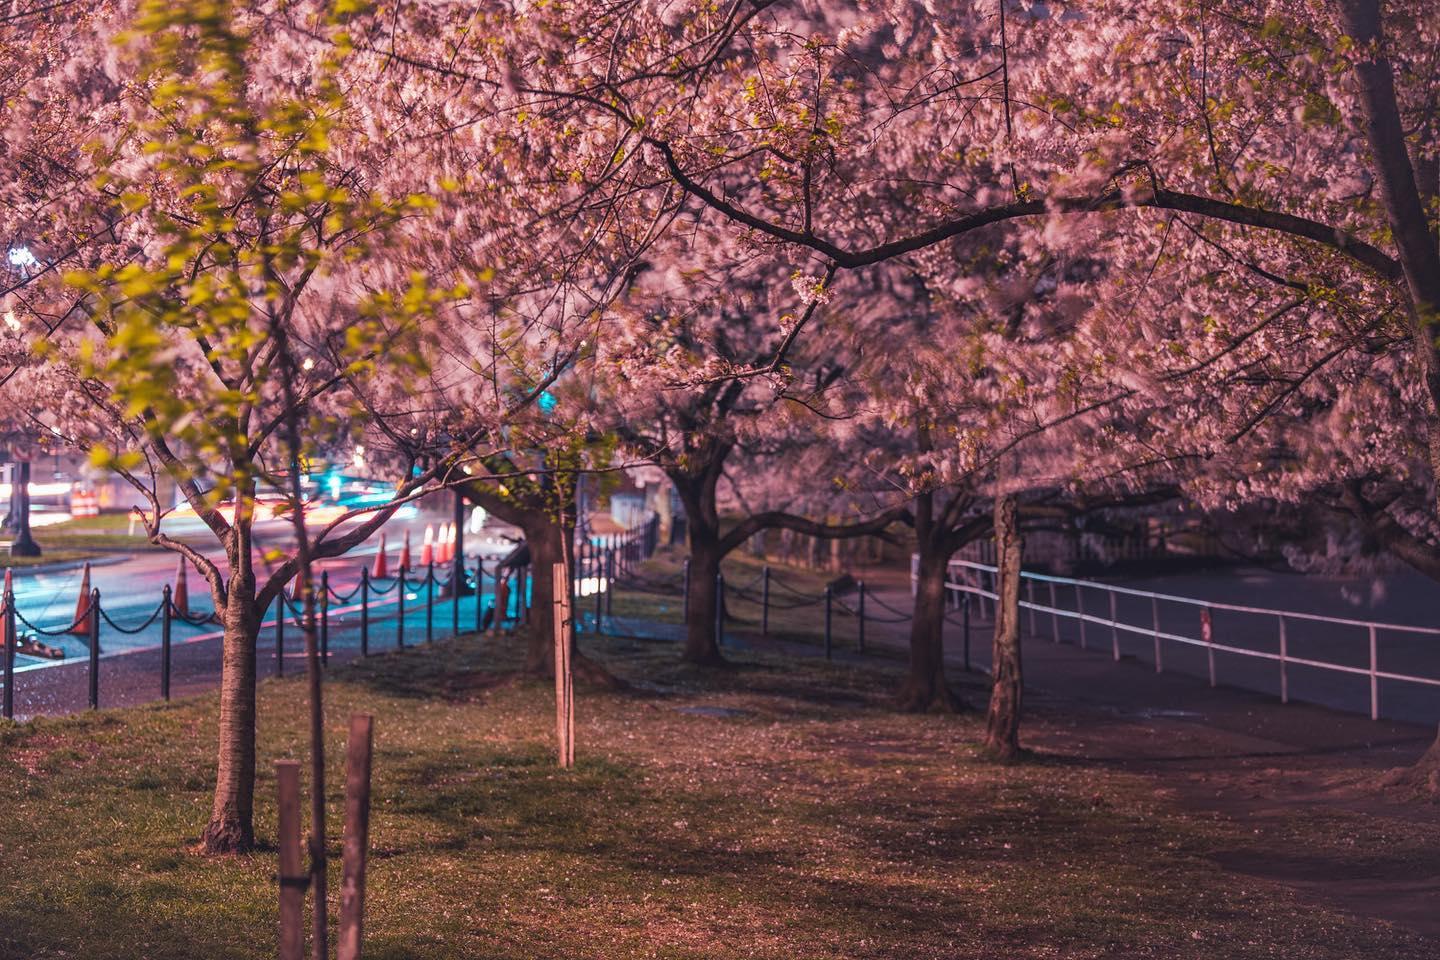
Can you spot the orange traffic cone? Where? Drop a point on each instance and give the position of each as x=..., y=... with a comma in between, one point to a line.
x=427, y=549
x=405, y=552
x=82, y=605
x=380, y=570
x=442, y=551
x=180, y=598
x=447, y=544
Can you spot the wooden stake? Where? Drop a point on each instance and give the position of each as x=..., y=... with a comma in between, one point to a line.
x=357, y=837
x=564, y=680
x=293, y=879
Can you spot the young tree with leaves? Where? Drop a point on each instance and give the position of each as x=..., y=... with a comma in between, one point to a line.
x=227, y=226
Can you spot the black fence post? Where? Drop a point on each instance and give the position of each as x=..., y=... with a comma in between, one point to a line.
x=400, y=620
x=165, y=643
x=829, y=596
x=430, y=603
x=861, y=617
x=282, y=609
x=457, y=587
x=94, y=649
x=364, y=610
x=765, y=601
x=965, y=620
x=686, y=590
x=480, y=594
x=610, y=579
x=325, y=618
x=597, y=571
x=10, y=637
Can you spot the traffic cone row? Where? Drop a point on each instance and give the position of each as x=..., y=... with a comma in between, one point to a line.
x=445, y=544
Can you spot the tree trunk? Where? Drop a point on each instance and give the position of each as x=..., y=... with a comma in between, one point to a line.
x=1410, y=226
x=1421, y=779
x=546, y=539
x=663, y=510
x=24, y=544
x=1002, y=720
x=231, y=828
x=701, y=644
x=924, y=689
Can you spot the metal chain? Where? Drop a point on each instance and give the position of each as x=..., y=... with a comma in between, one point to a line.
x=773, y=604
x=63, y=631
x=200, y=621
x=335, y=595
x=159, y=609
x=379, y=592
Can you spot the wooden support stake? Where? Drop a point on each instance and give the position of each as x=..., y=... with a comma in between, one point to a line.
x=564, y=681
x=357, y=837
x=293, y=879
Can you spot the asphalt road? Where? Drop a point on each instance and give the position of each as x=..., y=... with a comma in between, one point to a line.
x=131, y=589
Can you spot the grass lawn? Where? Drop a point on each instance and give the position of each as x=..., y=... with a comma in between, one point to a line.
x=775, y=809
x=80, y=539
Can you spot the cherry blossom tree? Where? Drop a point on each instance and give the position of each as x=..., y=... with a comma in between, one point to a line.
x=219, y=205
x=706, y=375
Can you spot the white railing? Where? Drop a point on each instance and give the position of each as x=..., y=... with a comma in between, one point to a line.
x=978, y=579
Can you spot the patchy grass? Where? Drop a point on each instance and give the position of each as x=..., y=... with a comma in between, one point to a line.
x=772, y=809
x=51, y=555
x=81, y=539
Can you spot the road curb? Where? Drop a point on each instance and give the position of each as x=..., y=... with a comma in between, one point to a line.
x=37, y=570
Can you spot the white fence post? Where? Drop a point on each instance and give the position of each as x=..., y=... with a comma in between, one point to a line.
x=1030, y=597
x=1374, y=680
x=1114, y=630
x=1207, y=633
x=1284, y=669
x=1080, y=609
x=1054, y=612
x=1155, y=628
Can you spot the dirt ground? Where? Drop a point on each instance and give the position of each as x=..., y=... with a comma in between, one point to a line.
x=1282, y=773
